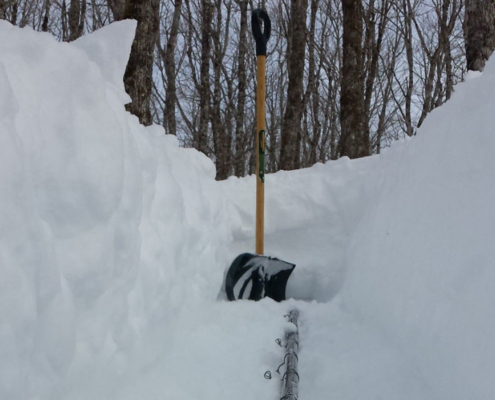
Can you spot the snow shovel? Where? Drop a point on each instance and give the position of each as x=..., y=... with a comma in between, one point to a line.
x=255, y=276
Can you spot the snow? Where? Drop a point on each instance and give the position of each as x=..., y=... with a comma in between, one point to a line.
x=114, y=242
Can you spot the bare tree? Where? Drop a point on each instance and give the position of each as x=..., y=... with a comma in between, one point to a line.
x=407, y=11
x=201, y=142
x=311, y=110
x=169, y=61
x=9, y=10
x=99, y=14
x=336, y=86
x=376, y=20
x=138, y=76
x=438, y=79
x=353, y=140
x=240, y=132
x=479, y=25
x=221, y=120
x=46, y=16
x=77, y=14
x=291, y=125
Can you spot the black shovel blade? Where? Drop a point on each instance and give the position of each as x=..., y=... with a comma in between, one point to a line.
x=253, y=277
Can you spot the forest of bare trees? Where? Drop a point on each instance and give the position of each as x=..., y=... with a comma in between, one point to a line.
x=344, y=77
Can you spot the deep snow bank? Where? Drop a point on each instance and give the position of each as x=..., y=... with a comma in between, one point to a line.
x=98, y=214
x=420, y=267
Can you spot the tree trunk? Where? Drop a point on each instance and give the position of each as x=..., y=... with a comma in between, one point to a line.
x=169, y=61
x=222, y=141
x=46, y=16
x=240, y=133
x=77, y=11
x=312, y=89
x=373, y=42
x=291, y=124
x=138, y=77
x=408, y=38
x=117, y=7
x=353, y=141
x=448, y=24
x=204, y=93
x=479, y=32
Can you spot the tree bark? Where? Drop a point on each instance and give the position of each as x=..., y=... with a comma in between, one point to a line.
x=117, y=7
x=204, y=93
x=408, y=39
x=138, y=77
x=446, y=29
x=479, y=32
x=240, y=133
x=222, y=140
x=169, y=61
x=291, y=124
x=46, y=16
x=77, y=11
x=312, y=89
x=353, y=142
x=373, y=42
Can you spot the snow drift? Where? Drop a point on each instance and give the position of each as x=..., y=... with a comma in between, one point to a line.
x=114, y=242
x=82, y=183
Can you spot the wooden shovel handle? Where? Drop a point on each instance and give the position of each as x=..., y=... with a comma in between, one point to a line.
x=261, y=40
x=260, y=153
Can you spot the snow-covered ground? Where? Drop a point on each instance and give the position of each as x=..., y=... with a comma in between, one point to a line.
x=114, y=243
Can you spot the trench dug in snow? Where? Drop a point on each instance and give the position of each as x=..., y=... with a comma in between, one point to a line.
x=114, y=243
x=310, y=215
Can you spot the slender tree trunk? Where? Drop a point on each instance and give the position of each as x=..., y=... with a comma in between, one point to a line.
x=64, y=23
x=479, y=32
x=274, y=149
x=77, y=12
x=221, y=140
x=445, y=33
x=46, y=15
x=138, y=77
x=410, y=65
x=389, y=65
x=193, y=88
x=428, y=104
x=83, y=17
x=291, y=124
x=169, y=61
x=373, y=41
x=240, y=134
x=311, y=90
x=204, y=94
x=74, y=15
x=385, y=100
x=353, y=140
x=370, y=63
x=333, y=124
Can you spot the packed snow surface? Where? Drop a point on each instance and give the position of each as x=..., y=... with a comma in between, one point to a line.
x=114, y=243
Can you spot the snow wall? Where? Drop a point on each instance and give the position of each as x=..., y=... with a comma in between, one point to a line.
x=421, y=264
x=114, y=242
x=99, y=215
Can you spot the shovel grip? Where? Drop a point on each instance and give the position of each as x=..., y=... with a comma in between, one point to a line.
x=261, y=37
